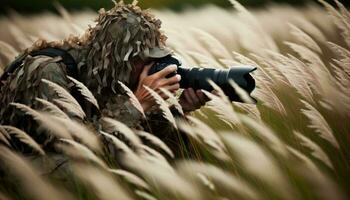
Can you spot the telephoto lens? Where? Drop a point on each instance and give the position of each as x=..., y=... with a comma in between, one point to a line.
x=197, y=78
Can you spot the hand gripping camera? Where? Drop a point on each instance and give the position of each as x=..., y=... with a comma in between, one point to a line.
x=196, y=78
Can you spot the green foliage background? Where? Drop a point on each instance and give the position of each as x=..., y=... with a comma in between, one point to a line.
x=30, y=6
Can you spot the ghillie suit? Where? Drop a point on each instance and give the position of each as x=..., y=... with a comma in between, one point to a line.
x=103, y=55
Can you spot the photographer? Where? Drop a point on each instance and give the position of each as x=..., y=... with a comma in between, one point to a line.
x=121, y=47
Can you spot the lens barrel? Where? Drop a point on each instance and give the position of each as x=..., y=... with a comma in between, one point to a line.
x=196, y=78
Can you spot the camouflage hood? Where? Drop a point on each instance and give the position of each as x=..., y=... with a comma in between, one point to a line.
x=123, y=34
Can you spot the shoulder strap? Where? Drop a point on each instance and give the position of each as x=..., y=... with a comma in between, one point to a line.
x=67, y=59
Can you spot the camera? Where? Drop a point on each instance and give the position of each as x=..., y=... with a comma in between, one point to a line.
x=196, y=78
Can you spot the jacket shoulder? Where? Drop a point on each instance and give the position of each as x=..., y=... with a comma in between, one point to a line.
x=36, y=68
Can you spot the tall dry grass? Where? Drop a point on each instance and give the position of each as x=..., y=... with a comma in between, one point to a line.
x=294, y=144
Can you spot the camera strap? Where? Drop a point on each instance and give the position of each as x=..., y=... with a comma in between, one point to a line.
x=67, y=59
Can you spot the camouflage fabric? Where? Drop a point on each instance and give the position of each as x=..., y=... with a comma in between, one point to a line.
x=104, y=55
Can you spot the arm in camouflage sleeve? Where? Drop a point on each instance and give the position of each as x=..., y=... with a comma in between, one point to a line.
x=179, y=143
x=119, y=107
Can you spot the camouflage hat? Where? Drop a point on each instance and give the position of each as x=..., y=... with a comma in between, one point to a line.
x=159, y=52
x=121, y=35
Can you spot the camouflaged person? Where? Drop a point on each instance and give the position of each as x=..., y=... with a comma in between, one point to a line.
x=121, y=47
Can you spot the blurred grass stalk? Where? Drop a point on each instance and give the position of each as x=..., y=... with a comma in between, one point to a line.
x=292, y=145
